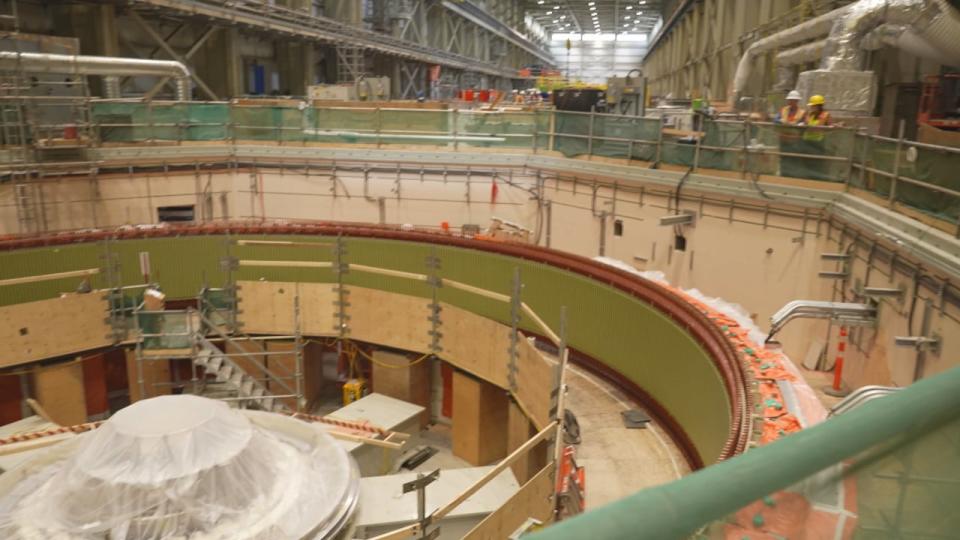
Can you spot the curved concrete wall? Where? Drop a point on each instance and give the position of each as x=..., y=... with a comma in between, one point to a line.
x=637, y=334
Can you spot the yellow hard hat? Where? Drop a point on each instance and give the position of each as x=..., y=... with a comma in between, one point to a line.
x=816, y=100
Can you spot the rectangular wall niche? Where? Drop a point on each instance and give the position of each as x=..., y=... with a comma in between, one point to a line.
x=175, y=213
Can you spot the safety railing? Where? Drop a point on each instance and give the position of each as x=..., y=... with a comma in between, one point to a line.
x=905, y=173
x=887, y=469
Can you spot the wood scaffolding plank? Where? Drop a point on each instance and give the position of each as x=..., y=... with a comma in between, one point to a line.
x=266, y=307
x=535, y=380
x=55, y=327
x=533, y=500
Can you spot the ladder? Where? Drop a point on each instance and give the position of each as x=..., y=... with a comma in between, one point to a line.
x=26, y=205
x=350, y=63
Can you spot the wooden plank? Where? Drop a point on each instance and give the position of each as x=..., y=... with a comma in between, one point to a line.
x=59, y=389
x=387, y=272
x=394, y=320
x=55, y=327
x=282, y=243
x=547, y=331
x=533, y=500
x=475, y=344
x=476, y=290
x=480, y=412
x=50, y=277
x=519, y=430
x=405, y=532
x=535, y=379
x=266, y=307
x=496, y=470
x=285, y=264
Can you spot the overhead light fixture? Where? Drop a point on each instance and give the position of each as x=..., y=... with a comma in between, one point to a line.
x=627, y=18
x=629, y=8
x=591, y=3
x=556, y=20
x=540, y=2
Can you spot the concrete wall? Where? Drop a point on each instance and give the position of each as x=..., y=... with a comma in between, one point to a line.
x=757, y=258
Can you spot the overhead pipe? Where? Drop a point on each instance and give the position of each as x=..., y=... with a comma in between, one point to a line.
x=786, y=60
x=107, y=66
x=814, y=28
x=925, y=28
x=846, y=313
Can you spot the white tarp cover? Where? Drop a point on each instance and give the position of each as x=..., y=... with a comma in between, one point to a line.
x=183, y=467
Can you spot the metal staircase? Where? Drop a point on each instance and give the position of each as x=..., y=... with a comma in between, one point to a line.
x=218, y=371
x=237, y=385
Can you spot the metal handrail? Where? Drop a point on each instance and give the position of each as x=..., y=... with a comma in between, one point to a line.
x=860, y=396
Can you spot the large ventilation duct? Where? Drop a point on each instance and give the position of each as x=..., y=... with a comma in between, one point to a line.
x=925, y=28
x=107, y=66
x=932, y=21
x=812, y=29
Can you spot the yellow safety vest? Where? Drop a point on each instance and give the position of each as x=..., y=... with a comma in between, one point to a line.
x=816, y=135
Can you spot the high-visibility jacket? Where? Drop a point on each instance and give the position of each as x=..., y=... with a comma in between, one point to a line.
x=787, y=118
x=816, y=134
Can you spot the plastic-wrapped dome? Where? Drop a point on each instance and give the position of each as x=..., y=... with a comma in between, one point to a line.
x=184, y=468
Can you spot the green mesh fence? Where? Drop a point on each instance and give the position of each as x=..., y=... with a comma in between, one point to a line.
x=165, y=329
x=823, y=154
x=570, y=131
x=806, y=152
x=618, y=136
x=513, y=130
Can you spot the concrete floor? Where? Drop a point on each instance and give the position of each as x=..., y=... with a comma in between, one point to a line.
x=618, y=461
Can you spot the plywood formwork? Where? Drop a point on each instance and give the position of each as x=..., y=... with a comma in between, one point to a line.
x=535, y=381
x=480, y=412
x=59, y=389
x=395, y=375
x=156, y=373
x=266, y=307
x=519, y=431
x=55, y=327
x=475, y=344
x=391, y=319
x=533, y=500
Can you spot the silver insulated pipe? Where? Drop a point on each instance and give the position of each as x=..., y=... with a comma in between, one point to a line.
x=924, y=28
x=107, y=66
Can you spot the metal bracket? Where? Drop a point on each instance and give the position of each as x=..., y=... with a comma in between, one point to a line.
x=513, y=350
x=420, y=486
x=435, y=282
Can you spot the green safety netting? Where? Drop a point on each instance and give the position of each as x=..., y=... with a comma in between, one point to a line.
x=165, y=329
x=625, y=137
x=814, y=153
x=819, y=154
x=928, y=165
x=515, y=129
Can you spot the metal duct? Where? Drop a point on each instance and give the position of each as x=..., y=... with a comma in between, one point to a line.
x=933, y=21
x=107, y=66
x=786, y=77
x=931, y=29
x=814, y=28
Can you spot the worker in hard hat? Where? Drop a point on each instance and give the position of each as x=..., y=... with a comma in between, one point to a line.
x=791, y=115
x=817, y=115
x=813, y=139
